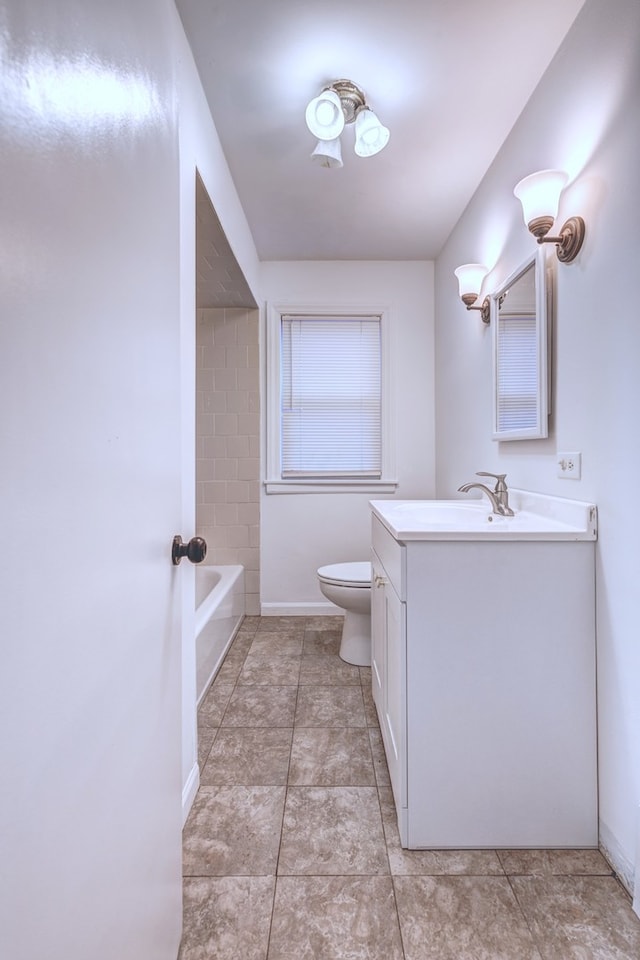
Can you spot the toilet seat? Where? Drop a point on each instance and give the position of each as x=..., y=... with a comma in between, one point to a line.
x=356, y=574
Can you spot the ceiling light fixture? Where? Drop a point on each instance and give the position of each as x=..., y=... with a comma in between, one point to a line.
x=328, y=153
x=470, y=279
x=539, y=194
x=340, y=103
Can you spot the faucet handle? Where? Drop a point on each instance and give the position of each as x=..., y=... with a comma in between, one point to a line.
x=498, y=477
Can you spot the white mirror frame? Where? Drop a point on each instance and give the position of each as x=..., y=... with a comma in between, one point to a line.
x=537, y=427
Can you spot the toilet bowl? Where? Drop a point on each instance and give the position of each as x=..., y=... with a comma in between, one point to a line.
x=348, y=585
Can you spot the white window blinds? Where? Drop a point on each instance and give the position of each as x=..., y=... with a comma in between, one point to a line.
x=517, y=373
x=331, y=411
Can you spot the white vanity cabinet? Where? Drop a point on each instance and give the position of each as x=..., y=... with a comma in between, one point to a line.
x=483, y=665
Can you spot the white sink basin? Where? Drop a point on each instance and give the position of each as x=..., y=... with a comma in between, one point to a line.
x=537, y=517
x=447, y=512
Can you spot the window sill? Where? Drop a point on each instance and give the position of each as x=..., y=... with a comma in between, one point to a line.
x=330, y=486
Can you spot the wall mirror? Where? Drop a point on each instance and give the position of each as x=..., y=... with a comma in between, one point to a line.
x=520, y=324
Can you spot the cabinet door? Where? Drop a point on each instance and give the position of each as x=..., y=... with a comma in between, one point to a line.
x=378, y=641
x=389, y=676
x=395, y=702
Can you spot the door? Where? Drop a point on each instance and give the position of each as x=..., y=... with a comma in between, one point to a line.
x=90, y=802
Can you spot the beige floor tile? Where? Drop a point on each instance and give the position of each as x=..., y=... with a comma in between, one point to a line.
x=324, y=623
x=365, y=676
x=331, y=756
x=337, y=902
x=270, y=670
x=579, y=918
x=206, y=736
x=326, y=918
x=328, y=670
x=261, y=707
x=212, y=708
x=230, y=669
x=332, y=830
x=322, y=642
x=291, y=625
x=330, y=707
x=241, y=644
x=462, y=918
x=379, y=757
x=253, y=756
x=276, y=645
x=233, y=831
x=431, y=863
x=226, y=918
x=370, y=711
x=554, y=862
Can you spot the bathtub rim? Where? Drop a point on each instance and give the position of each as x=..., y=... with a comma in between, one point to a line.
x=228, y=575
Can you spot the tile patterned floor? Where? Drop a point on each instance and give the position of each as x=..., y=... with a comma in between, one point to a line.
x=291, y=850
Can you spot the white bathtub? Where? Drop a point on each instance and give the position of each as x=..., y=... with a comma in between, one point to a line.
x=220, y=609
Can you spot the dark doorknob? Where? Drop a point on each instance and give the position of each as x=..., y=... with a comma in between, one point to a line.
x=195, y=550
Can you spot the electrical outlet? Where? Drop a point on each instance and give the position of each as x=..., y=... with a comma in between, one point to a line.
x=569, y=466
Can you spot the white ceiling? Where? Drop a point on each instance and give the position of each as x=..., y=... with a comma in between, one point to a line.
x=448, y=77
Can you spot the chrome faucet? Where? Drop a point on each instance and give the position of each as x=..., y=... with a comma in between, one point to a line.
x=499, y=496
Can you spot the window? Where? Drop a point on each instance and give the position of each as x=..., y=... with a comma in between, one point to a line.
x=328, y=408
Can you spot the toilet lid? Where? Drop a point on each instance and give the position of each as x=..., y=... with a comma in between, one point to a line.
x=356, y=574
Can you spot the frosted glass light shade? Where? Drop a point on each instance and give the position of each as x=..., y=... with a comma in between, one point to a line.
x=328, y=153
x=539, y=194
x=470, y=279
x=324, y=116
x=371, y=136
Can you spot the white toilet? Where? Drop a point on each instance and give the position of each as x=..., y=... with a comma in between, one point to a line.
x=348, y=585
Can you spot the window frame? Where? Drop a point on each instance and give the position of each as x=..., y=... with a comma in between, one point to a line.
x=275, y=483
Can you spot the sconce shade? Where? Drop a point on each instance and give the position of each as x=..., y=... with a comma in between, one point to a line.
x=328, y=153
x=470, y=278
x=539, y=195
x=324, y=116
x=371, y=135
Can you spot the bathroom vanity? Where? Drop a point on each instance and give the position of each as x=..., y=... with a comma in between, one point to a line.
x=483, y=664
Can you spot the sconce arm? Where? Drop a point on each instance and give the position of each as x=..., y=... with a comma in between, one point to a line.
x=570, y=241
x=484, y=308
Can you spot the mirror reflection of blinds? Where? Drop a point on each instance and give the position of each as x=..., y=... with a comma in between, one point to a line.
x=331, y=411
x=517, y=373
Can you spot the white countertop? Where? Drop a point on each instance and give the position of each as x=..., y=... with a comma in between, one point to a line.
x=537, y=517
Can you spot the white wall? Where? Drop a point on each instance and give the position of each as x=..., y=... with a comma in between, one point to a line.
x=199, y=149
x=301, y=532
x=583, y=118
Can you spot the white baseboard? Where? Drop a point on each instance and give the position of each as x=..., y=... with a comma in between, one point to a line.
x=189, y=791
x=300, y=610
x=612, y=851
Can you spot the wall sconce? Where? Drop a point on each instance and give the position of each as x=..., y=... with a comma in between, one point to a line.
x=539, y=195
x=340, y=103
x=470, y=278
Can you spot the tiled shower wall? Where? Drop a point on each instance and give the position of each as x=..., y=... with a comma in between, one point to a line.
x=228, y=442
